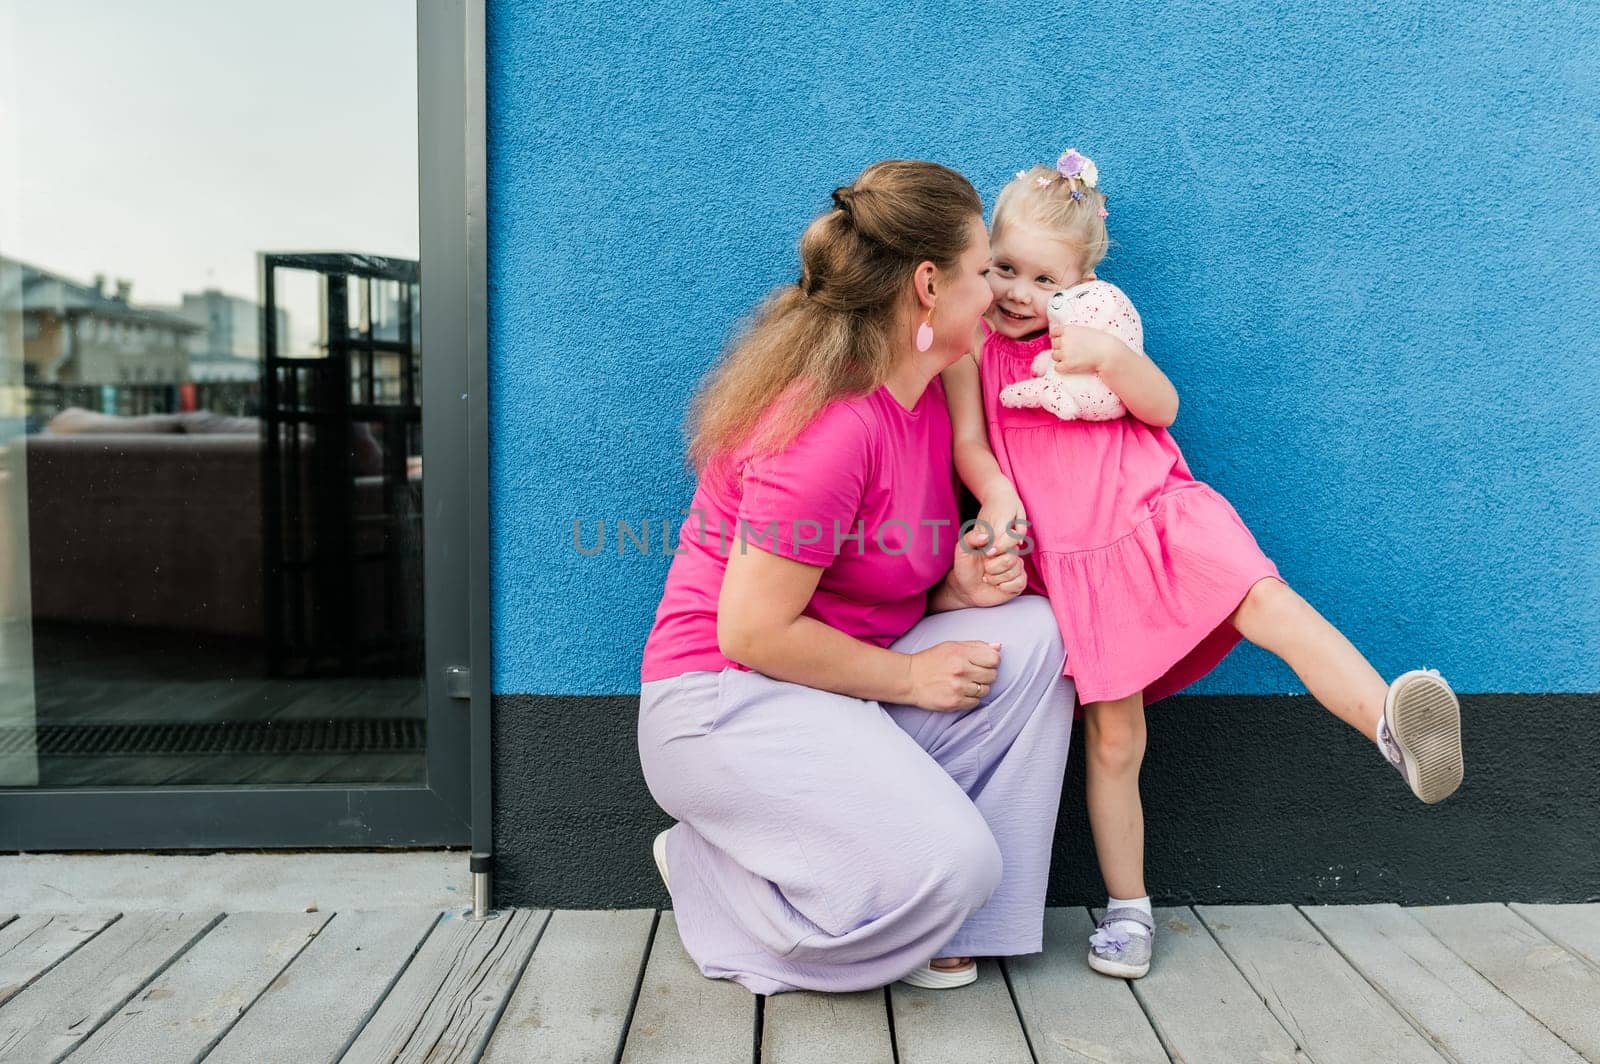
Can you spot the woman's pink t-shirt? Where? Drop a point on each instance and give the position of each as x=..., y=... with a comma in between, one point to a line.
x=866, y=491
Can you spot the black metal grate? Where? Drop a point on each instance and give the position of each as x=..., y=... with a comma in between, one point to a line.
x=354, y=736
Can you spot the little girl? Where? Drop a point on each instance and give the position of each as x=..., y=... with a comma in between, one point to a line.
x=1150, y=573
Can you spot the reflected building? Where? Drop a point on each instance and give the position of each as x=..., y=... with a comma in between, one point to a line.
x=228, y=347
x=76, y=333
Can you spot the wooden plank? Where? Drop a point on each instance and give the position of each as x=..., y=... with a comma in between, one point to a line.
x=1325, y=1005
x=323, y=999
x=33, y=944
x=1552, y=985
x=974, y=1022
x=1071, y=1013
x=1436, y=990
x=1201, y=1007
x=1573, y=927
x=802, y=1027
x=573, y=999
x=683, y=1016
x=445, y=1005
x=193, y=1003
x=69, y=1002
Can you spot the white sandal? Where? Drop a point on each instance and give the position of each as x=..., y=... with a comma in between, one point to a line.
x=658, y=850
x=930, y=978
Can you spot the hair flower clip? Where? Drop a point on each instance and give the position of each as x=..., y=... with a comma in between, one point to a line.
x=1042, y=182
x=1076, y=194
x=1104, y=213
x=1074, y=165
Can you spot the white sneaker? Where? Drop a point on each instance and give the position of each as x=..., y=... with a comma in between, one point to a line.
x=658, y=850
x=930, y=978
x=1423, y=722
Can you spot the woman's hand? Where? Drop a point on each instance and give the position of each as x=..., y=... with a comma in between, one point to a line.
x=951, y=677
x=1080, y=349
x=984, y=574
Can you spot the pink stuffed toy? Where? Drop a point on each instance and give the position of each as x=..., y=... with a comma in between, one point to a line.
x=1079, y=396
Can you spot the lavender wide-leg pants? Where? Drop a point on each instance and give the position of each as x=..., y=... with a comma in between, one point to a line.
x=830, y=843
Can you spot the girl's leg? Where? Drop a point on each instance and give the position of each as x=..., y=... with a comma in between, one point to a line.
x=1274, y=617
x=1115, y=735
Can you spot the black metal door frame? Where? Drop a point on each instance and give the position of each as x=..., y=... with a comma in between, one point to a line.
x=452, y=807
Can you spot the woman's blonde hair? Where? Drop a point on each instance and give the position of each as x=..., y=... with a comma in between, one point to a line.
x=831, y=333
x=1043, y=197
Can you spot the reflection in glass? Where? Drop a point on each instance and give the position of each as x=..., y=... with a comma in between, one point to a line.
x=19, y=765
x=342, y=470
x=210, y=448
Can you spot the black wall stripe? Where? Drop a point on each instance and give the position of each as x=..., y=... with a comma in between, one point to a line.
x=1248, y=799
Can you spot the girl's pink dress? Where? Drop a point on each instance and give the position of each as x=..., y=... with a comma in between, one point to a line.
x=1141, y=562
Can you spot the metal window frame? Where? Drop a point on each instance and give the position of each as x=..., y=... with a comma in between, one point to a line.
x=453, y=807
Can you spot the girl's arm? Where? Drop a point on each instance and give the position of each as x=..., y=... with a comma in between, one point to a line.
x=975, y=462
x=1138, y=382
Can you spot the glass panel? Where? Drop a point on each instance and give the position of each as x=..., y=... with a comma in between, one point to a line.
x=210, y=419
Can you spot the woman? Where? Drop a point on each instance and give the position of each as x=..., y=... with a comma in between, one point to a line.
x=859, y=725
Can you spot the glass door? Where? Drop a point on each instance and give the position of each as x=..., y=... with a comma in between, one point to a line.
x=232, y=458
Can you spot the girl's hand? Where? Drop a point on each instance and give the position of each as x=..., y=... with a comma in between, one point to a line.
x=985, y=574
x=1002, y=513
x=1079, y=349
x=950, y=677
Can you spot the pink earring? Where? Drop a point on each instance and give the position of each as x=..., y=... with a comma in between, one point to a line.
x=925, y=332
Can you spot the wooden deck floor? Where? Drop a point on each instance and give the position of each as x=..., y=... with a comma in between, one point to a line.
x=1489, y=983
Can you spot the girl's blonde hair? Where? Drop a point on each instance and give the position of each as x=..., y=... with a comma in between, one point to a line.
x=1042, y=197
x=831, y=334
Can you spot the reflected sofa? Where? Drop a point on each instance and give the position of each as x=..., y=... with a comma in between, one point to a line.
x=156, y=521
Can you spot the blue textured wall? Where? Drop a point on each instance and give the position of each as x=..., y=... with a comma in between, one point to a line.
x=1363, y=239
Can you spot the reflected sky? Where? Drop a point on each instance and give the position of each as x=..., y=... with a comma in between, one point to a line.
x=168, y=141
